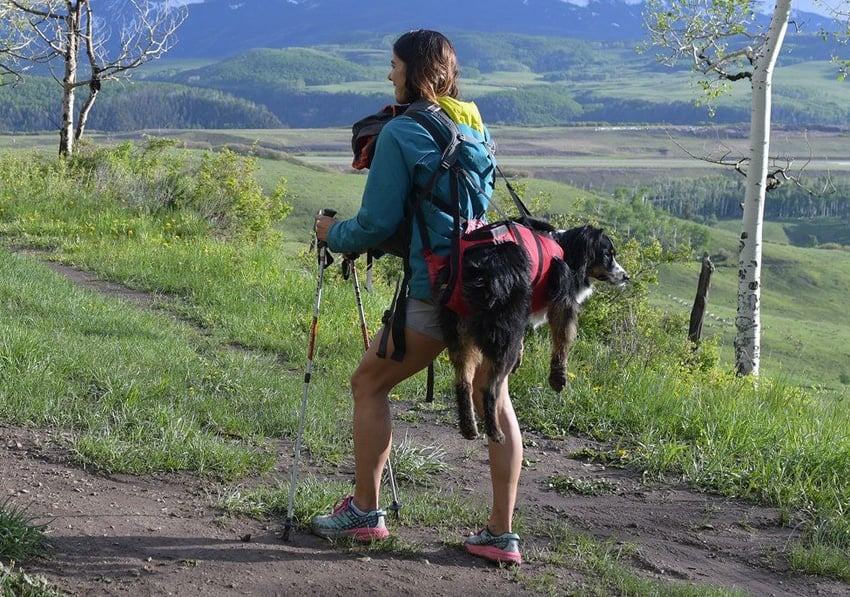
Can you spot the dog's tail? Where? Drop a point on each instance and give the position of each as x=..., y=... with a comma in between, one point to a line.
x=496, y=276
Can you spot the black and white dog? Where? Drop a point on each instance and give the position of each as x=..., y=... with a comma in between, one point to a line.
x=496, y=285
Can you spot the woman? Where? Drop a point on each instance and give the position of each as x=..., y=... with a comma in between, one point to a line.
x=424, y=67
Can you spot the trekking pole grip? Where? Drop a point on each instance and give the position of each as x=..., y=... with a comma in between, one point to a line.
x=327, y=211
x=324, y=255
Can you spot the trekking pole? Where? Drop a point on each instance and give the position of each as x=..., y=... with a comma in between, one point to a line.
x=364, y=329
x=396, y=505
x=325, y=260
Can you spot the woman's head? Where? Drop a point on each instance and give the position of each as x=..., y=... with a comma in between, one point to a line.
x=429, y=66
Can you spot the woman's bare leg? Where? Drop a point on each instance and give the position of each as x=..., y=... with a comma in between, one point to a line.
x=370, y=385
x=505, y=462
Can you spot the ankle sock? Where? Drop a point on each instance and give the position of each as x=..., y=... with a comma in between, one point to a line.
x=356, y=510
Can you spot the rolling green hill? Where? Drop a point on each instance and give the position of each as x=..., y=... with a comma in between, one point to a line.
x=516, y=80
x=805, y=329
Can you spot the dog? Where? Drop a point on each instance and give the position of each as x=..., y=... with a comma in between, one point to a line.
x=501, y=300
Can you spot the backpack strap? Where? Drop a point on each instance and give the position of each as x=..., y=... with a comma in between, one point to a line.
x=524, y=212
x=450, y=147
x=398, y=309
x=451, y=151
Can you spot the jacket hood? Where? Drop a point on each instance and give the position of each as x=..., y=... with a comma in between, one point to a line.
x=462, y=112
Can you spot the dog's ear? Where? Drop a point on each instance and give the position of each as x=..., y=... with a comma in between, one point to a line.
x=607, y=244
x=578, y=240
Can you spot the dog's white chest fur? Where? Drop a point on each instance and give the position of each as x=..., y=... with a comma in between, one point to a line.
x=539, y=318
x=584, y=294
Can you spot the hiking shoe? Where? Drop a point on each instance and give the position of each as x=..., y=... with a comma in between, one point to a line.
x=345, y=522
x=501, y=549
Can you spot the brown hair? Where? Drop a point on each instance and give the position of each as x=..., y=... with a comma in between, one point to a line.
x=431, y=64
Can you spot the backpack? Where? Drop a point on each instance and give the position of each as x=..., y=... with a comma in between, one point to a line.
x=465, y=232
x=364, y=136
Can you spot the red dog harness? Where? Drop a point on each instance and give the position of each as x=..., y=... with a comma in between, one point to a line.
x=540, y=248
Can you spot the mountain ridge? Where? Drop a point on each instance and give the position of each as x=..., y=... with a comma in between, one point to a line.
x=221, y=28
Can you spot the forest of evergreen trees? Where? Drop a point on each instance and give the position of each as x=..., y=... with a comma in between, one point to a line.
x=719, y=197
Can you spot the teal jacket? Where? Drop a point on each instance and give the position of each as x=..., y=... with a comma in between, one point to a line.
x=405, y=159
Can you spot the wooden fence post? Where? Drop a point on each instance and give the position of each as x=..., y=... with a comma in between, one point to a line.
x=701, y=300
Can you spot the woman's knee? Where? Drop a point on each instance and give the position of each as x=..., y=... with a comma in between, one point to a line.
x=367, y=380
x=359, y=383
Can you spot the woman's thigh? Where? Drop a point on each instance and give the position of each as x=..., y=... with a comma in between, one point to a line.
x=377, y=374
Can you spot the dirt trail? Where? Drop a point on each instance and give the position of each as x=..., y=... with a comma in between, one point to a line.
x=159, y=534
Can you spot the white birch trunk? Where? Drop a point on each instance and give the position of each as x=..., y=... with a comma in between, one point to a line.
x=69, y=82
x=748, y=321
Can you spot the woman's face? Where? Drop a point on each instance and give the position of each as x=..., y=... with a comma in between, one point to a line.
x=398, y=75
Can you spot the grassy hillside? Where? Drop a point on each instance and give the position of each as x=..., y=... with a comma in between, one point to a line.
x=805, y=333
x=805, y=330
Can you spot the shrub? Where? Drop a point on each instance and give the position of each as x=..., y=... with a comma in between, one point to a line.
x=18, y=583
x=228, y=195
x=220, y=190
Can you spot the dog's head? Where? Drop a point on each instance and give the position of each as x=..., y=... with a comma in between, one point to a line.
x=588, y=248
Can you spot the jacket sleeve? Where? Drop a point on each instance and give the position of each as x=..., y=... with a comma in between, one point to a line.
x=388, y=186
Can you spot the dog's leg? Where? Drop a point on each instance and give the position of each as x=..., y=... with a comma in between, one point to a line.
x=490, y=401
x=465, y=361
x=497, y=290
x=519, y=356
x=497, y=365
x=563, y=326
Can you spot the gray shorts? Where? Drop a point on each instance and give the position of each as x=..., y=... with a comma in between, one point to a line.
x=422, y=318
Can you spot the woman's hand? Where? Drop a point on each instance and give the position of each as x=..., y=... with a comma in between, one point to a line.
x=322, y=225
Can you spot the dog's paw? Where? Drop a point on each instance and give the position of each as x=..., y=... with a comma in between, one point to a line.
x=468, y=426
x=469, y=432
x=497, y=436
x=558, y=380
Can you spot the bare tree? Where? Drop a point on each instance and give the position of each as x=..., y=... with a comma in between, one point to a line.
x=840, y=11
x=13, y=46
x=91, y=45
x=724, y=44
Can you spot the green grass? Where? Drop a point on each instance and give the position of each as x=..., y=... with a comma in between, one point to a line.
x=606, y=573
x=211, y=378
x=804, y=332
x=21, y=537
x=122, y=378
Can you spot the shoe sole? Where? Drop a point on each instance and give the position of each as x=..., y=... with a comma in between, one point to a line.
x=361, y=534
x=494, y=554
